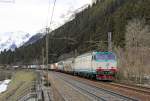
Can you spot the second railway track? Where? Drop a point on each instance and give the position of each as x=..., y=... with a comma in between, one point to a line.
x=144, y=90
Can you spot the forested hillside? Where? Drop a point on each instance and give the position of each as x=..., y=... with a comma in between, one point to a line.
x=88, y=31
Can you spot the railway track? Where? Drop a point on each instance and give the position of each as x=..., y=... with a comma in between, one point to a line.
x=144, y=90
x=83, y=90
x=141, y=94
x=98, y=94
x=139, y=89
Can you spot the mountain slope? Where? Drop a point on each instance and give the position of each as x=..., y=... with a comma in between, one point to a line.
x=13, y=40
x=34, y=38
x=87, y=31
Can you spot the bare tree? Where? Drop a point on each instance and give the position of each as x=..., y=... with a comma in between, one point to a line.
x=133, y=60
x=137, y=34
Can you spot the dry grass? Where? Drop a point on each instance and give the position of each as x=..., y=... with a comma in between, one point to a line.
x=20, y=81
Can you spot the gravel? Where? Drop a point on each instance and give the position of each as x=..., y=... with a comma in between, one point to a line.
x=64, y=91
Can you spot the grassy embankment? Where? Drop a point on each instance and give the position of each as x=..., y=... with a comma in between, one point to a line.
x=21, y=81
x=5, y=74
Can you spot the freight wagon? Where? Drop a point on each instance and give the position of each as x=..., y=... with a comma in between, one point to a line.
x=53, y=67
x=68, y=65
x=60, y=66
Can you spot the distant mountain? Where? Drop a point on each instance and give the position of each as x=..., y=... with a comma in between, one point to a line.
x=13, y=47
x=12, y=40
x=34, y=38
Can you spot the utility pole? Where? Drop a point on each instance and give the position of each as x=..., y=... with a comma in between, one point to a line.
x=43, y=57
x=109, y=41
x=47, y=41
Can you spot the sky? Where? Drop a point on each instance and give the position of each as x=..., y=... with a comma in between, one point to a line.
x=33, y=15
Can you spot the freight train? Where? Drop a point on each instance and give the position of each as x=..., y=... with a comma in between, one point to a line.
x=98, y=65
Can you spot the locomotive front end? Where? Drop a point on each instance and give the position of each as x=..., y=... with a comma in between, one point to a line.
x=106, y=65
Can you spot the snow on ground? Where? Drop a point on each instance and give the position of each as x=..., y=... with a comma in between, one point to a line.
x=4, y=85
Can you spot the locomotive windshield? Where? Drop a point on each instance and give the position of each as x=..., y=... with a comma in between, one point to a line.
x=105, y=56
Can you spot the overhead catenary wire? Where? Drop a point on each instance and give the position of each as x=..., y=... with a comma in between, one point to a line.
x=49, y=22
x=47, y=30
x=53, y=9
x=47, y=38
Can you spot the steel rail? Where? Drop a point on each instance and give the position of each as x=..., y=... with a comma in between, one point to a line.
x=132, y=87
x=84, y=90
x=107, y=91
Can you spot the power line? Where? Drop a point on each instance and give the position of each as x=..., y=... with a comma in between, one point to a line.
x=47, y=30
x=52, y=13
x=47, y=38
x=49, y=6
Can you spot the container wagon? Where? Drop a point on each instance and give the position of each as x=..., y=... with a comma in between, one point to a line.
x=68, y=66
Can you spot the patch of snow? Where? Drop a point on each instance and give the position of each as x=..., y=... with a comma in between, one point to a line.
x=6, y=81
x=4, y=85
